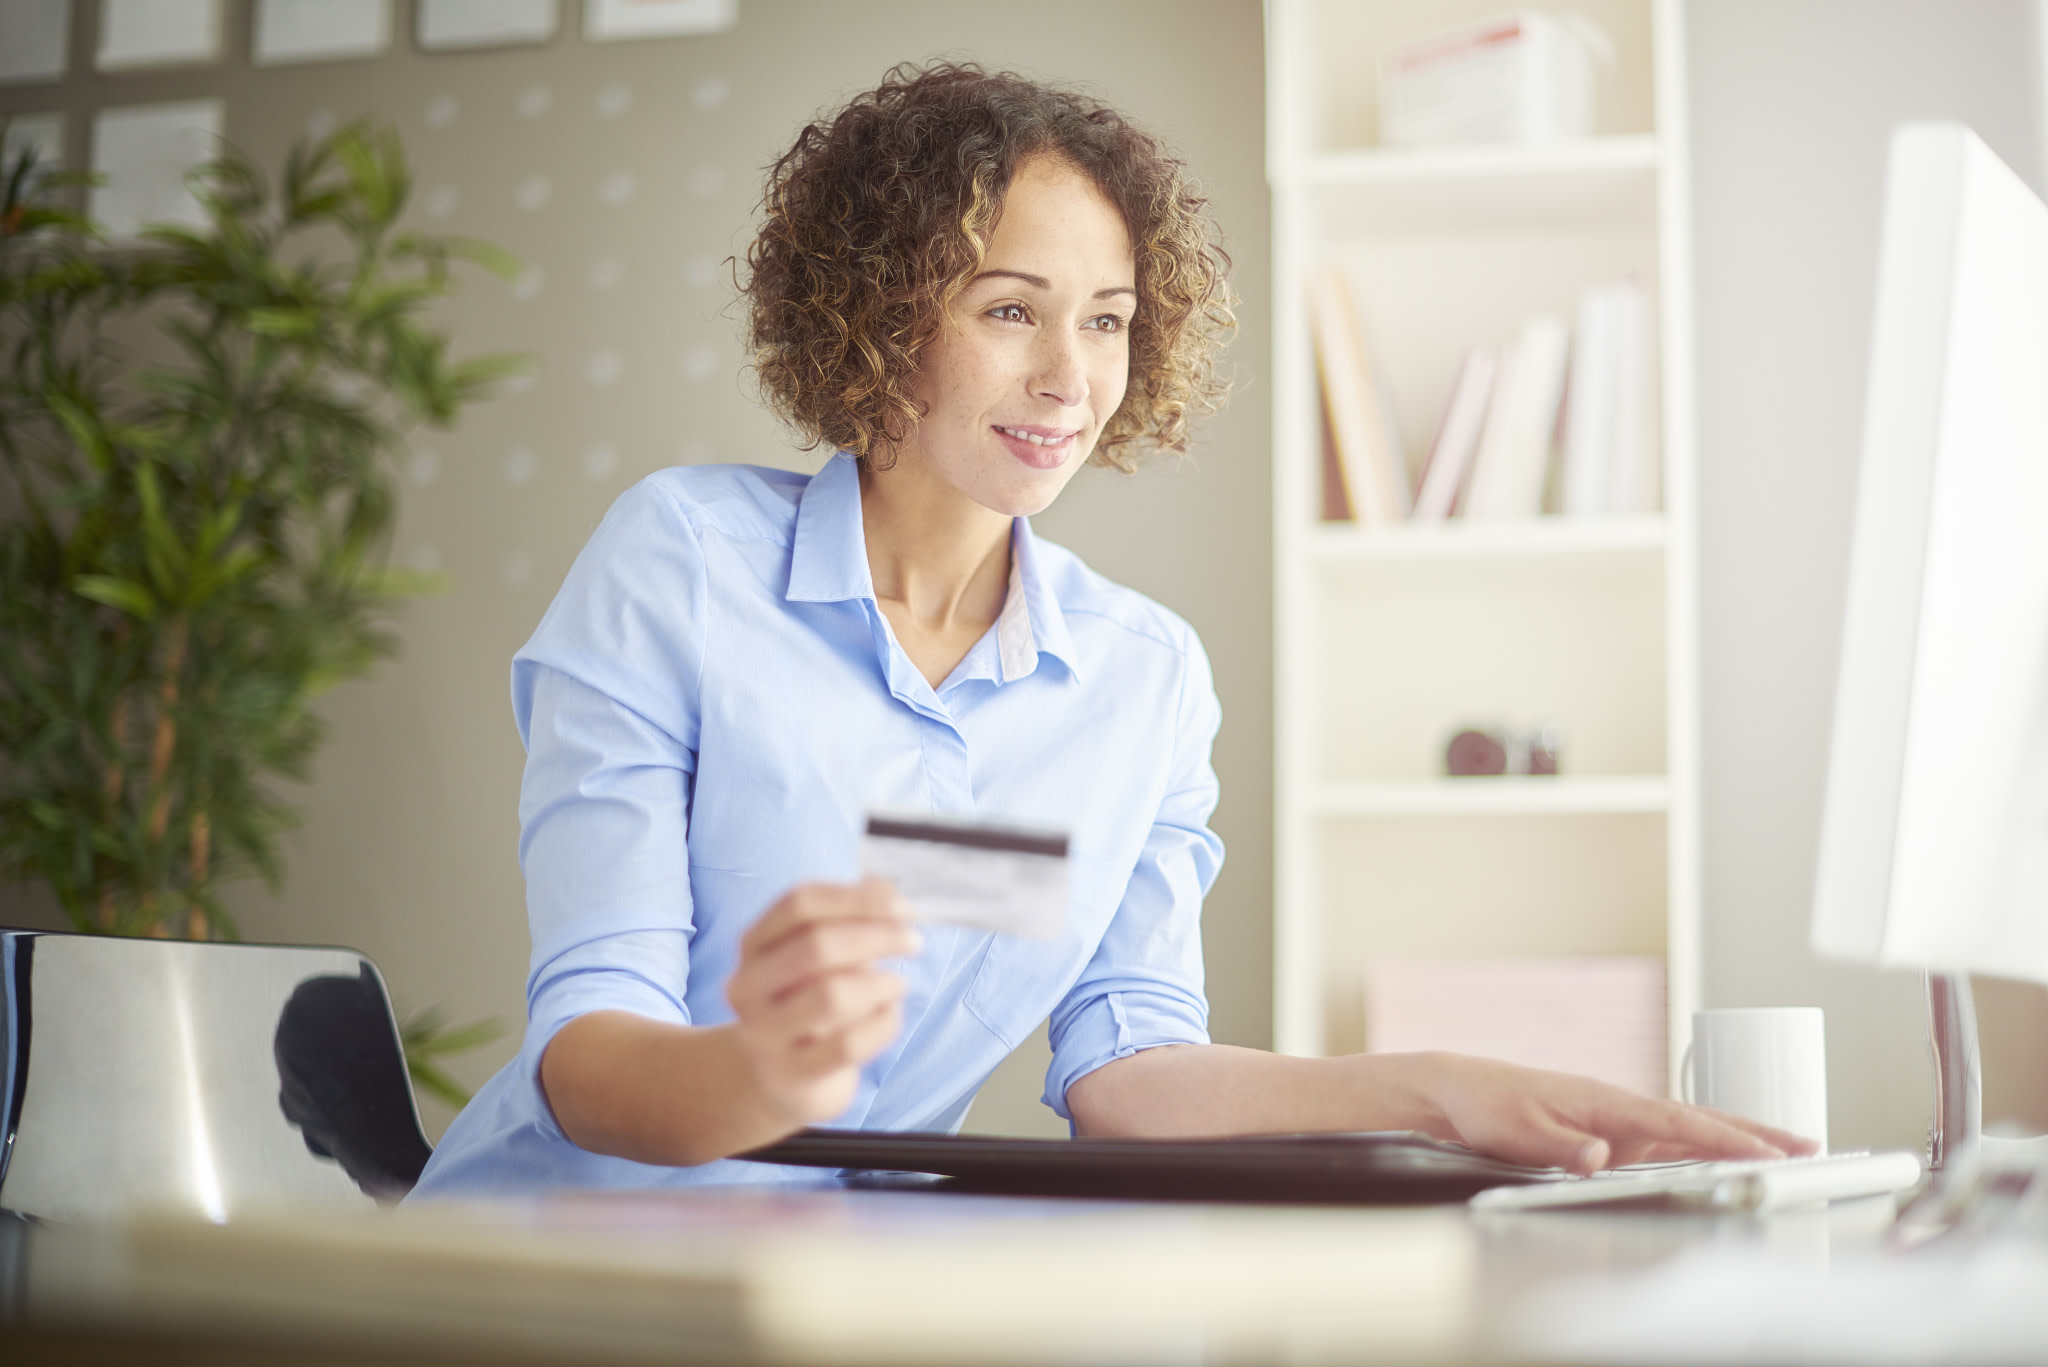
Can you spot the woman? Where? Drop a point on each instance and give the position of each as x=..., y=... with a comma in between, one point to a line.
x=967, y=285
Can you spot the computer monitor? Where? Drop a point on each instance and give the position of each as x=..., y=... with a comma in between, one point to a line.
x=1934, y=840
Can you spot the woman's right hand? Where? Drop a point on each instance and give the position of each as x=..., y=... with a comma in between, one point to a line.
x=812, y=1002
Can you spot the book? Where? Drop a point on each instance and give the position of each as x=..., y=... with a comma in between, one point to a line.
x=1635, y=484
x=1610, y=460
x=1521, y=420
x=1589, y=411
x=1335, y=503
x=1355, y=403
x=1457, y=437
x=1600, y=1016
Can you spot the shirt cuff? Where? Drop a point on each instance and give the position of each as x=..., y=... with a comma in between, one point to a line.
x=1112, y=1026
x=572, y=992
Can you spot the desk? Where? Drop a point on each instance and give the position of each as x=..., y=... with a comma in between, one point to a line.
x=837, y=1276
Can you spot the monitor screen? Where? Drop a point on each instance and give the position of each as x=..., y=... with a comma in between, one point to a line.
x=1934, y=840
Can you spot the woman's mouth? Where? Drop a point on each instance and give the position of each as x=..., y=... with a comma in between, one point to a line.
x=1042, y=448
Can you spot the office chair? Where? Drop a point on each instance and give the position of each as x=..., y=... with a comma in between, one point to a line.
x=207, y=1077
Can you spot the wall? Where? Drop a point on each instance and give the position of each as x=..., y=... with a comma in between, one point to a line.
x=1791, y=108
x=623, y=174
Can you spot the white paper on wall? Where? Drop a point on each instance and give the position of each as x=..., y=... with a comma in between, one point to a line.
x=290, y=31
x=486, y=23
x=34, y=38
x=158, y=33
x=611, y=20
x=42, y=133
x=143, y=153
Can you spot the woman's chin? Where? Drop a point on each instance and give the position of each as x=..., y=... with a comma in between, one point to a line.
x=1030, y=495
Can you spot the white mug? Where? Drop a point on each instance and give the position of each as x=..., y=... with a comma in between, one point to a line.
x=1764, y=1063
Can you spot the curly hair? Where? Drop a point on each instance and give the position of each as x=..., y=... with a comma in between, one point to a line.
x=878, y=216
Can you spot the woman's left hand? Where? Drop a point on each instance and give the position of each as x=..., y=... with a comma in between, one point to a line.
x=1545, y=1119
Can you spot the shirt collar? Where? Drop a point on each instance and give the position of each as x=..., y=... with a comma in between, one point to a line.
x=1042, y=626
x=829, y=564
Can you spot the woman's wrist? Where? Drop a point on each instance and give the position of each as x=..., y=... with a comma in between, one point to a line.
x=745, y=1108
x=657, y=1092
x=1399, y=1091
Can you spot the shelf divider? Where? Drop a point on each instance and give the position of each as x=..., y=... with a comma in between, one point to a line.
x=1529, y=538
x=1562, y=795
x=1375, y=165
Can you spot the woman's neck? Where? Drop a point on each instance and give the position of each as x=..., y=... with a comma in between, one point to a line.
x=940, y=562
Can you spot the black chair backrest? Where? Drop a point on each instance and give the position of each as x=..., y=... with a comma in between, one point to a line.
x=155, y=1073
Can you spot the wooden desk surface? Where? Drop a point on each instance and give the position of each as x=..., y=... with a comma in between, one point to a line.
x=828, y=1276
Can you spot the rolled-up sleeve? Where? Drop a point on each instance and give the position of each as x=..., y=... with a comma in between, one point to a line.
x=1142, y=988
x=605, y=698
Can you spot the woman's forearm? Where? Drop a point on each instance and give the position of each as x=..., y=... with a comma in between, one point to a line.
x=1524, y=1115
x=1219, y=1089
x=656, y=1092
x=811, y=1005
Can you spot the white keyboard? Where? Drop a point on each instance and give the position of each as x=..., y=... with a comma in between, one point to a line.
x=1752, y=1186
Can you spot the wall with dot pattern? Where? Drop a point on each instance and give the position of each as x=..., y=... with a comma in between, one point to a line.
x=624, y=176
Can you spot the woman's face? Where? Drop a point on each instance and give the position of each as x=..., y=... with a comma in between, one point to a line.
x=1034, y=354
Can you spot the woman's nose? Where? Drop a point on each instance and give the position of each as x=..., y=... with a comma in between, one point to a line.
x=1061, y=377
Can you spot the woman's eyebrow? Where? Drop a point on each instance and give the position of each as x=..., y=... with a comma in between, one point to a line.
x=1040, y=282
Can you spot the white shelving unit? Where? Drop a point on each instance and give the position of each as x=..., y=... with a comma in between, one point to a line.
x=1387, y=641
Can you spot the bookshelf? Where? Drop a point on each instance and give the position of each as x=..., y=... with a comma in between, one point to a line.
x=1387, y=640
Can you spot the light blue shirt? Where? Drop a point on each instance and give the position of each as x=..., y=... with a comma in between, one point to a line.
x=710, y=707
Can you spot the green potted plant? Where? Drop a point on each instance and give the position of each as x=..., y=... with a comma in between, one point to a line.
x=198, y=430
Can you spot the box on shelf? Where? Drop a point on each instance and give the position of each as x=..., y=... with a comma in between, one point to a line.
x=1525, y=77
x=1600, y=1016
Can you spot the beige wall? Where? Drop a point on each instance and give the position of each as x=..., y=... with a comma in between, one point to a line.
x=650, y=154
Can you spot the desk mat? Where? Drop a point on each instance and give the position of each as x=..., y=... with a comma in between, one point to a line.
x=1395, y=1168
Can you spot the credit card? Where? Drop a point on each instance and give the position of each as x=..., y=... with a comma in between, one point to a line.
x=985, y=875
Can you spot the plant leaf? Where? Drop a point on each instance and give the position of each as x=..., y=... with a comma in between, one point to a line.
x=436, y=1083
x=123, y=594
x=460, y=1039
x=282, y=322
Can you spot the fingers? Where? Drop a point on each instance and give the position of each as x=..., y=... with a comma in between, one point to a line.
x=1701, y=1133
x=828, y=1005
x=853, y=1045
x=1653, y=1132
x=1658, y=1131
x=815, y=930
x=808, y=1046
x=1784, y=1140
x=1576, y=1123
x=810, y=904
x=823, y=948
x=811, y=1001
x=1545, y=1141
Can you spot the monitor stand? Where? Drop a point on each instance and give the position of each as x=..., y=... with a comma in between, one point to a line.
x=1958, y=1128
x=1965, y=1166
x=1957, y=1142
